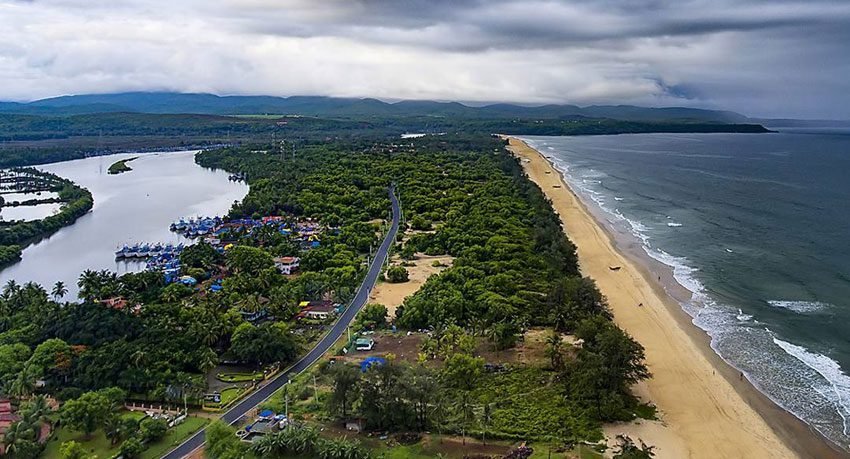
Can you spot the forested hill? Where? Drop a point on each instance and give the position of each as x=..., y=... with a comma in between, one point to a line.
x=165, y=102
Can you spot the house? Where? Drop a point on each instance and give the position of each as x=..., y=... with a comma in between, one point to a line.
x=287, y=265
x=364, y=344
x=120, y=304
x=319, y=310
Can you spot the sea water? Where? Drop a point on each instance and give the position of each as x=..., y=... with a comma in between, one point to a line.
x=757, y=228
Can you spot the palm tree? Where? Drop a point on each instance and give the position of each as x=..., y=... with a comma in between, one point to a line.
x=10, y=288
x=18, y=433
x=554, y=346
x=113, y=428
x=89, y=284
x=209, y=360
x=38, y=408
x=59, y=291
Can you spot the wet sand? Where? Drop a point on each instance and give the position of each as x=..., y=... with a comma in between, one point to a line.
x=707, y=409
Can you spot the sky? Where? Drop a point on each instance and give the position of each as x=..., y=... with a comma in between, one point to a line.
x=770, y=58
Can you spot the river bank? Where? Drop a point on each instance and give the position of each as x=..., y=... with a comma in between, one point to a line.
x=128, y=209
x=707, y=408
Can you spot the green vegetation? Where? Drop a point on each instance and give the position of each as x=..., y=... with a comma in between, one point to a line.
x=397, y=274
x=240, y=377
x=119, y=167
x=222, y=443
x=15, y=235
x=513, y=268
x=44, y=138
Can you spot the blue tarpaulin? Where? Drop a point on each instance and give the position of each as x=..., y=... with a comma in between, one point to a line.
x=370, y=361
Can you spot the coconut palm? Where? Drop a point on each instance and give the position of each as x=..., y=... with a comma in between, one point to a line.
x=19, y=433
x=59, y=291
x=89, y=284
x=208, y=361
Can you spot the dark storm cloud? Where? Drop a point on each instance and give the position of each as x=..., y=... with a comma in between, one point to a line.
x=774, y=58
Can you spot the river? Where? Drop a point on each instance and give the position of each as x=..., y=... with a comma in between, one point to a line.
x=136, y=206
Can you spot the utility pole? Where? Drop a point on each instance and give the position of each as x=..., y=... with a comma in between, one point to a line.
x=315, y=390
x=286, y=399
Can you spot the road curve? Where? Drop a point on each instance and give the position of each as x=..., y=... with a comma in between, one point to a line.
x=255, y=398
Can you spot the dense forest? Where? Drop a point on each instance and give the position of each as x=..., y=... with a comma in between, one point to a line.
x=38, y=139
x=514, y=269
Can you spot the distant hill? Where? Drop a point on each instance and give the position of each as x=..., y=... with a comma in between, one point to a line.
x=174, y=103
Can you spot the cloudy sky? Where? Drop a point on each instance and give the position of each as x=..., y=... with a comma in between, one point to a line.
x=759, y=57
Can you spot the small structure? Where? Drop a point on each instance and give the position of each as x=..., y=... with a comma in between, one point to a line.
x=287, y=265
x=364, y=344
x=120, y=304
x=319, y=310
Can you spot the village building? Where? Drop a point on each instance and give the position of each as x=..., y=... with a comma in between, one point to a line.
x=287, y=265
x=317, y=310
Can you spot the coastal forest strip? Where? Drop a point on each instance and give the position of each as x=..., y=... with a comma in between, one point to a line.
x=75, y=201
x=514, y=285
x=39, y=139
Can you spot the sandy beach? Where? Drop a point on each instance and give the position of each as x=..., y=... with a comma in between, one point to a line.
x=707, y=409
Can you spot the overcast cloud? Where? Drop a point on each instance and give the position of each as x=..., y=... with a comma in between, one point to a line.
x=759, y=57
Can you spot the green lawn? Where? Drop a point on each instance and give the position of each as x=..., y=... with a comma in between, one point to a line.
x=99, y=446
x=239, y=377
x=174, y=437
x=227, y=395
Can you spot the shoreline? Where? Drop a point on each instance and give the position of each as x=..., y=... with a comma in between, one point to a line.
x=708, y=409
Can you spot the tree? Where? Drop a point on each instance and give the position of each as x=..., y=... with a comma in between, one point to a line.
x=346, y=388
x=248, y=260
x=73, y=450
x=201, y=255
x=20, y=437
x=264, y=344
x=113, y=428
x=222, y=443
x=554, y=350
x=462, y=371
x=153, y=429
x=59, y=290
x=86, y=413
x=131, y=448
x=626, y=449
x=397, y=274
x=372, y=316
x=420, y=223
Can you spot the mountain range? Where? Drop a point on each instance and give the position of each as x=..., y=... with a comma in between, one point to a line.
x=174, y=103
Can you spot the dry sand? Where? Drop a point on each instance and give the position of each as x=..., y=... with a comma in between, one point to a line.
x=705, y=411
x=393, y=295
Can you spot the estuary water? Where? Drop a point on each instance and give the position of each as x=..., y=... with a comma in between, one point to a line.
x=136, y=206
x=756, y=228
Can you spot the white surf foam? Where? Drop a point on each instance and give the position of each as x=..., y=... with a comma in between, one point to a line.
x=800, y=307
x=838, y=383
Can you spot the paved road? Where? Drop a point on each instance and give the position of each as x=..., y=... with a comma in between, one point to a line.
x=251, y=401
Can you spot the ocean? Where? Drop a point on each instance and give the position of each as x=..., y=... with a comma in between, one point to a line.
x=757, y=228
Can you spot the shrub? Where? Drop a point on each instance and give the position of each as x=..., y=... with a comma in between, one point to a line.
x=397, y=274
